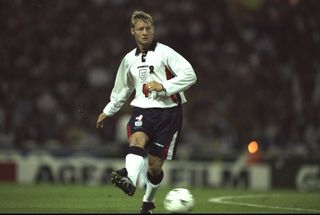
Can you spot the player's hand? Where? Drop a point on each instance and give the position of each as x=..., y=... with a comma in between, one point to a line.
x=154, y=86
x=100, y=120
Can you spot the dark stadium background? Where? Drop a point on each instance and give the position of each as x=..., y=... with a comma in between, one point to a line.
x=257, y=62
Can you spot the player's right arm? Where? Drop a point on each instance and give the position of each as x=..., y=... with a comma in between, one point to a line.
x=123, y=87
x=100, y=120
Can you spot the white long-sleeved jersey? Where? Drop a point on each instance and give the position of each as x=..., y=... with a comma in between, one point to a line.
x=161, y=64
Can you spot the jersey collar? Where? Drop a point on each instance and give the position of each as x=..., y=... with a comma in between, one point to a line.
x=152, y=47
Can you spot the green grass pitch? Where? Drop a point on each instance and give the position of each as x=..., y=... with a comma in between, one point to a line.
x=48, y=198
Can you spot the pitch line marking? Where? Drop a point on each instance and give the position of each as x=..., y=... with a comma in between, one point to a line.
x=224, y=200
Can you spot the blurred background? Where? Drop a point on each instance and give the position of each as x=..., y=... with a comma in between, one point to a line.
x=257, y=62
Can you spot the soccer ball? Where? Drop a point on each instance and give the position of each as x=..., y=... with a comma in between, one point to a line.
x=179, y=200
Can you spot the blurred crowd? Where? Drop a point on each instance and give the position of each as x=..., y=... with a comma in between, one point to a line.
x=257, y=62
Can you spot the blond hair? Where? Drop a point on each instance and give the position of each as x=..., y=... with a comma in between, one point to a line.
x=140, y=15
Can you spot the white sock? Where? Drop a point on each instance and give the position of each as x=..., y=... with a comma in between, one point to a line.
x=151, y=191
x=142, y=179
x=134, y=164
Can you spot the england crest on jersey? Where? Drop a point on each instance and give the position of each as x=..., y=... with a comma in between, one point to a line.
x=143, y=74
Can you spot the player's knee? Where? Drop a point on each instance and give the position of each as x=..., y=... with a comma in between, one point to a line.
x=138, y=139
x=135, y=142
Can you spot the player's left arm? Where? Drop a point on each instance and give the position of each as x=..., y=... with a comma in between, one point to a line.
x=183, y=74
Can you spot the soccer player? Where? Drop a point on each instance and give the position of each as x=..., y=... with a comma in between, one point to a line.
x=159, y=76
